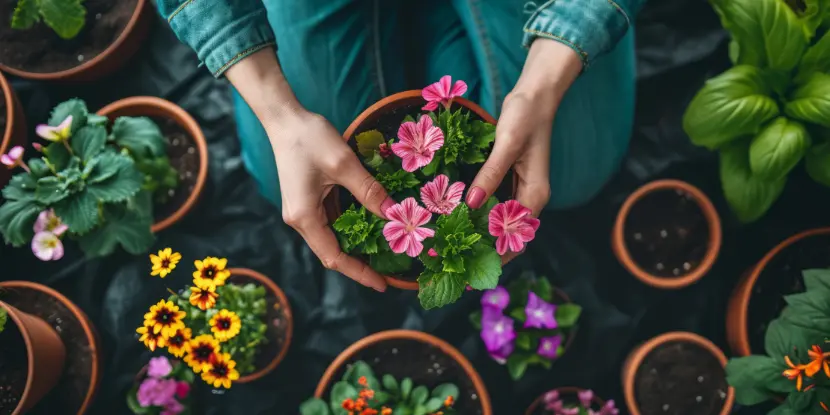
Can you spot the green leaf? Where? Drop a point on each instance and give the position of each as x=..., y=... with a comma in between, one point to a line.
x=750, y=376
x=387, y=262
x=749, y=196
x=57, y=155
x=95, y=119
x=352, y=228
x=25, y=14
x=518, y=314
x=453, y=264
x=778, y=149
x=88, y=141
x=439, y=289
x=123, y=184
x=132, y=403
x=779, y=341
x=74, y=107
x=475, y=319
x=816, y=59
x=340, y=392
x=397, y=181
x=517, y=365
x=543, y=289
x=419, y=395
x=432, y=263
x=390, y=384
x=817, y=280
x=809, y=311
x=51, y=190
x=817, y=163
x=482, y=136
x=730, y=105
x=481, y=216
x=368, y=142
x=126, y=224
x=3, y=319
x=567, y=314
x=816, y=11
x=39, y=168
x=811, y=101
x=314, y=406
x=65, y=17
x=406, y=388
x=433, y=404
x=79, y=212
x=523, y=340
x=444, y=390
x=800, y=401
x=17, y=217
x=140, y=135
x=483, y=267
x=20, y=187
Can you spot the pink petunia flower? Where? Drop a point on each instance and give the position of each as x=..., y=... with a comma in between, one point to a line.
x=432, y=252
x=48, y=221
x=13, y=157
x=156, y=392
x=442, y=92
x=417, y=143
x=172, y=407
x=47, y=246
x=512, y=225
x=159, y=367
x=58, y=133
x=403, y=231
x=441, y=197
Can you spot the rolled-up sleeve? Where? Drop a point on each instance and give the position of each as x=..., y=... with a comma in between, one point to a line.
x=222, y=32
x=590, y=27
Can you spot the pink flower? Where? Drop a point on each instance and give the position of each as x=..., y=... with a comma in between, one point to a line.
x=47, y=246
x=442, y=92
x=172, y=408
x=159, y=367
x=417, y=143
x=432, y=252
x=403, y=231
x=441, y=197
x=384, y=151
x=182, y=389
x=60, y=132
x=156, y=392
x=48, y=221
x=512, y=224
x=13, y=157
x=38, y=147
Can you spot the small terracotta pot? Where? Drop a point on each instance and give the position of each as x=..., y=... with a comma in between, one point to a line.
x=112, y=58
x=347, y=356
x=737, y=312
x=15, y=132
x=161, y=108
x=709, y=212
x=564, y=391
x=635, y=359
x=86, y=324
x=282, y=300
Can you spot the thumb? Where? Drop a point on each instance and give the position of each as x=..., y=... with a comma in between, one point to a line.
x=368, y=191
x=492, y=172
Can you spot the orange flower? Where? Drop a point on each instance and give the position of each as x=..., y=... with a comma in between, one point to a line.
x=367, y=394
x=362, y=381
x=359, y=404
x=204, y=299
x=449, y=401
x=385, y=411
x=817, y=362
x=369, y=411
x=348, y=404
x=150, y=338
x=794, y=372
x=823, y=406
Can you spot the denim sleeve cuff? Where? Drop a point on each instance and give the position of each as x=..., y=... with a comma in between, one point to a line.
x=221, y=34
x=590, y=27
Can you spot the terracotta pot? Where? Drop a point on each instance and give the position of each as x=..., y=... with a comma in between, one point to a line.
x=282, y=300
x=112, y=58
x=86, y=324
x=709, y=212
x=564, y=391
x=635, y=359
x=161, y=108
x=347, y=355
x=737, y=313
x=15, y=131
x=370, y=116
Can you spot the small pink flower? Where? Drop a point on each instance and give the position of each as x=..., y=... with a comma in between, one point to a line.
x=403, y=231
x=173, y=407
x=441, y=197
x=156, y=392
x=48, y=221
x=442, y=92
x=60, y=132
x=512, y=224
x=384, y=151
x=13, y=157
x=159, y=367
x=417, y=143
x=182, y=389
x=47, y=246
x=432, y=252
x=38, y=147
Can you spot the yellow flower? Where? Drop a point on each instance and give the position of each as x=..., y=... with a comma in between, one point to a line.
x=177, y=343
x=204, y=299
x=225, y=325
x=164, y=318
x=210, y=273
x=150, y=338
x=201, y=352
x=221, y=372
x=165, y=262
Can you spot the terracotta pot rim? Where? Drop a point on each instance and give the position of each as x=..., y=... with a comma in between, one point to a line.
x=186, y=122
x=74, y=71
x=27, y=342
x=283, y=300
x=86, y=324
x=712, y=250
x=448, y=349
x=572, y=390
x=636, y=357
x=6, y=90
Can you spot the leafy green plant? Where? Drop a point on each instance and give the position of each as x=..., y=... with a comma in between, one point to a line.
x=771, y=110
x=361, y=392
x=3, y=319
x=65, y=17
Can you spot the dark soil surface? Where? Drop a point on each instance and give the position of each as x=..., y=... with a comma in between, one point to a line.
x=184, y=157
x=2, y=116
x=666, y=233
x=68, y=395
x=277, y=323
x=781, y=277
x=424, y=364
x=40, y=50
x=14, y=365
x=680, y=378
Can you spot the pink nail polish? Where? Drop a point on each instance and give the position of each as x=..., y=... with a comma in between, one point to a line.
x=475, y=198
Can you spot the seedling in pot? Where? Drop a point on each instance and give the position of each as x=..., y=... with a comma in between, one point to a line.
x=65, y=17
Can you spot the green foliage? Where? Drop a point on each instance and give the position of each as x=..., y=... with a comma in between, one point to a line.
x=466, y=141
x=359, y=231
x=3, y=318
x=65, y=17
x=397, y=181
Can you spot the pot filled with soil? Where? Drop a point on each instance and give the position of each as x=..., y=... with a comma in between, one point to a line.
x=81, y=41
x=401, y=370
x=566, y=399
x=667, y=234
x=758, y=298
x=677, y=373
x=12, y=124
x=76, y=353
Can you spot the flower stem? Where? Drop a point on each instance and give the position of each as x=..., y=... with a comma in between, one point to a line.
x=24, y=166
x=66, y=144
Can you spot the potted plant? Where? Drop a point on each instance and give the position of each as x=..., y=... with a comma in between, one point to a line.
x=424, y=155
x=162, y=387
x=63, y=340
x=230, y=325
x=571, y=401
x=677, y=372
x=759, y=296
x=667, y=234
x=769, y=111
x=794, y=370
x=12, y=124
x=70, y=40
x=546, y=324
x=406, y=359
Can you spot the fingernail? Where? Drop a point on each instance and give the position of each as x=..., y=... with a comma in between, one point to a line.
x=388, y=203
x=380, y=288
x=475, y=198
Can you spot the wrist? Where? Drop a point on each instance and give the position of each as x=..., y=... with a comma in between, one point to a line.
x=550, y=69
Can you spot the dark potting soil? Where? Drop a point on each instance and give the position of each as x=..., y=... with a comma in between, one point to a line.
x=680, y=378
x=68, y=395
x=184, y=157
x=40, y=50
x=14, y=365
x=666, y=233
x=424, y=364
x=276, y=322
x=781, y=277
x=2, y=116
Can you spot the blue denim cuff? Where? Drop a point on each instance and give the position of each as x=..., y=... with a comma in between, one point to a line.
x=590, y=27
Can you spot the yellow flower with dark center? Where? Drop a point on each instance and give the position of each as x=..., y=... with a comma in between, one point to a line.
x=177, y=343
x=164, y=318
x=204, y=299
x=201, y=352
x=211, y=273
x=165, y=262
x=225, y=325
x=150, y=338
x=222, y=372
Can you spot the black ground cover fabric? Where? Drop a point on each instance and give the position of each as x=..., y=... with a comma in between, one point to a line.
x=680, y=44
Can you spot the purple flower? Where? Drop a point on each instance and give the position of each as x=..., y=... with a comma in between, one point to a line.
x=159, y=367
x=497, y=298
x=496, y=329
x=48, y=221
x=540, y=314
x=501, y=355
x=551, y=396
x=156, y=392
x=548, y=347
x=569, y=411
x=47, y=246
x=173, y=408
x=608, y=409
x=585, y=398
